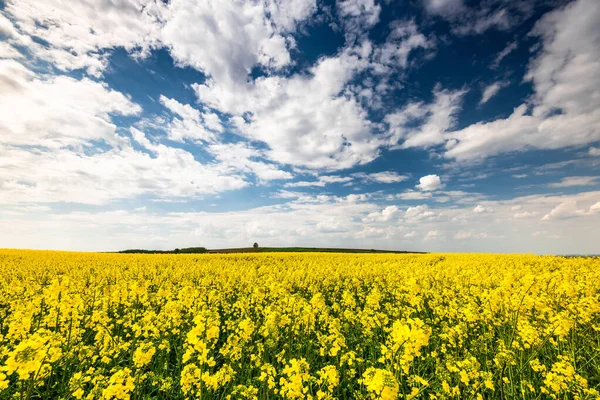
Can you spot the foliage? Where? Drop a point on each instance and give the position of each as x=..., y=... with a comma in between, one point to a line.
x=295, y=326
x=187, y=250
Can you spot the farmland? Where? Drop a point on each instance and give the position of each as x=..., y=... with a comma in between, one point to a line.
x=298, y=325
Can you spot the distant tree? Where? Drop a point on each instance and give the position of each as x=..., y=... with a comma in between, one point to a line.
x=255, y=245
x=176, y=251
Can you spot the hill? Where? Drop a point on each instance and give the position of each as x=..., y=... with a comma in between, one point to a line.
x=198, y=250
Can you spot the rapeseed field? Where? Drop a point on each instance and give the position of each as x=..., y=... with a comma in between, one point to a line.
x=298, y=326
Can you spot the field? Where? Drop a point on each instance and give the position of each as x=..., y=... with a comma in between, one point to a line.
x=298, y=325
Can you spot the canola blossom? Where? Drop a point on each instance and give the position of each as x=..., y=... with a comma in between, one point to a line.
x=298, y=326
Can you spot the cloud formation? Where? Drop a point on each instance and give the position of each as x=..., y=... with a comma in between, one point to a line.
x=428, y=183
x=299, y=120
x=565, y=76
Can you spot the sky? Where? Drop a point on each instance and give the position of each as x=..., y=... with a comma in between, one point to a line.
x=431, y=125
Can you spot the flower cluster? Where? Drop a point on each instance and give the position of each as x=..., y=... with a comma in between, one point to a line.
x=298, y=326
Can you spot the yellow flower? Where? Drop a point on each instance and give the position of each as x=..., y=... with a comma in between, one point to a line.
x=120, y=385
x=143, y=354
x=380, y=383
x=296, y=375
x=329, y=377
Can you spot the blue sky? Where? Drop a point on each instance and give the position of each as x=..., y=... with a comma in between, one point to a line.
x=438, y=125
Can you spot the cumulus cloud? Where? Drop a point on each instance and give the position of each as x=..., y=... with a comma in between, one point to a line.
x=57, y=111
x=303, y=119
x=78, y=33
x=65, y=175
x=205, y=35
x=225, y=39
x=429, y=183
x=387, y=214
x=243, y=158
x=314, y=118
x=567, y=209
x=190, y=124
x=310, y=220
x=403, y=39
x=481, y=209
x=594, y=151
x=431, y=120
x=65, y=118
x=358, y=16
x=565, y=76
x=9, y=51
x=419, y=212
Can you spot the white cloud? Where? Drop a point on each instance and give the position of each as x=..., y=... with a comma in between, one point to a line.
x=64, y=175
x=431, y=235
x=498, y=19
x=321, y=181
x=576, y=181
x=567, y=209
x=385, y=177
x=8, y=51
x=57, y=111
x=312, y=118
x=419, y=212
x=595, y=207
x=526, y=214
x=50, y=127
x=461, y=235
x=77, y=33
x=491, y=90
x=429, y=183
x=594, y=151
x=468, y=20
x=414, y=195
x=481, y=209
x=566, y=77
x=304, y=220
x=381, y=177
x=225, y=39
x=433, y=120
x=387, y=214
x=358, y=16
x=243, y=158
x=303, y=119
x=403, y=39
x=444, y=7
x=190, y=123
x=512, y=46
